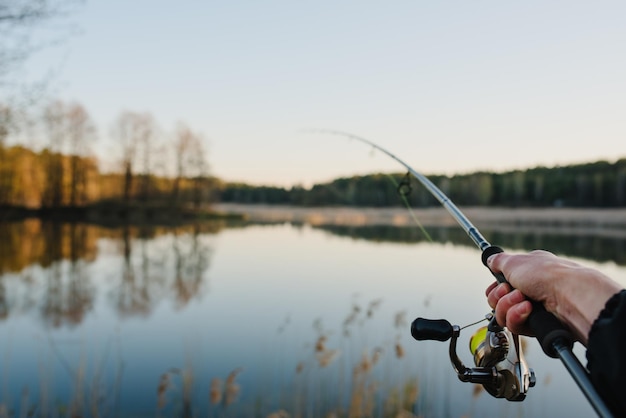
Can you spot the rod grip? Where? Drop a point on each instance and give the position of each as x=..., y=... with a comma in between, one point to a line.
x=546, y=327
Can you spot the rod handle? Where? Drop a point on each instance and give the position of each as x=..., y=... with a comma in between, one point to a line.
x=546, y=327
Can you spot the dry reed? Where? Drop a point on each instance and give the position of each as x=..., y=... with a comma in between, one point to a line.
x=231, y=388
x=326, y=357
x=215, y=391
x=279, y=414
x=399, y=350
x=300, y=367
x=162, y=388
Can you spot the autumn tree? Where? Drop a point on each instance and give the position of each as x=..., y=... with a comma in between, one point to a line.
x=70, y=132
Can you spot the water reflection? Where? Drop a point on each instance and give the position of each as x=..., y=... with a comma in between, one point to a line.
x=250, y=321
x=55, y=257
x=587, y=246
x=61, y=252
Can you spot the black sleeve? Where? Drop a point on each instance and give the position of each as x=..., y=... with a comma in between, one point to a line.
x=606, y=353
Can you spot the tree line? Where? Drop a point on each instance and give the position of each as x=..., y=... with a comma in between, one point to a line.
x=596, y=184
x=61, y=170
x=171, y=169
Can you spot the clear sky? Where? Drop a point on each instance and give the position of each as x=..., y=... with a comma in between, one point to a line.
x=448, y=86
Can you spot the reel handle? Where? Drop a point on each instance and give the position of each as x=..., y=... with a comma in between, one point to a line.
x=546, y=327
x=431, y=329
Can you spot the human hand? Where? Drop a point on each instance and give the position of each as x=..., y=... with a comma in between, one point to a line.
x=573, y=293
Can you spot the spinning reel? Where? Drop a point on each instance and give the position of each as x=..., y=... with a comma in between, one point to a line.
x=500, y=365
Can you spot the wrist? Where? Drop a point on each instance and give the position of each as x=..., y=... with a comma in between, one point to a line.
x=583, y=295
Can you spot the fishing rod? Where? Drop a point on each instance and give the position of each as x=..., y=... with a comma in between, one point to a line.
x=501, y=367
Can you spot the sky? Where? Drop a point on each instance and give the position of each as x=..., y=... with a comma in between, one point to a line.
x=448, y=86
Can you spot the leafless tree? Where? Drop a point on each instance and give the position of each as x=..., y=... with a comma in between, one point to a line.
x=80, y=133
x=190, y=161
x=19, y=21
x=147, y=141
x=54, y=121
x=199, y=170
x=135, y=132
x=6, y=117
x=70, y=131
x=182, y=143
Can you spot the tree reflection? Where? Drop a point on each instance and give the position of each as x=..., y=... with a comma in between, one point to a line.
x=47, y=267
x=4, y=307
x=192, y=260
x=571, y=243
x=139, y=287
x=69, y=294
x=157, y=273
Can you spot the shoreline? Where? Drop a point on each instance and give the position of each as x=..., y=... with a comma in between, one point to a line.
x=587, y=220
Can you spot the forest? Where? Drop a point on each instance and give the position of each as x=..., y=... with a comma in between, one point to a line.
x=47, y=179
x=598, y=184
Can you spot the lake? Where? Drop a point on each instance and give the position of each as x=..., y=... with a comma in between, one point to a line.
x=268, y=319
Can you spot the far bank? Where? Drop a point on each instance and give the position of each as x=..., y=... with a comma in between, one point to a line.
x=605, y=221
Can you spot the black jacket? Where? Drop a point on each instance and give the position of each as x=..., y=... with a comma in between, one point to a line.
x=606, y=354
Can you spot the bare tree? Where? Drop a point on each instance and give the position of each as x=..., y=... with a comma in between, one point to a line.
x=182, y=144
x=146, y=138
x=19, y=22
x=70, y=131
x=80, y=132
x=190, y=162
x=54, y=121
x=6, y=118
x=136, y=135
x=199, y=170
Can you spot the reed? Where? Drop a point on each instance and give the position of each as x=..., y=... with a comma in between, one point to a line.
x=339, y=377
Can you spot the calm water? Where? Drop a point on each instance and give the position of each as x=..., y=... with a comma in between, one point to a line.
x=249, y=320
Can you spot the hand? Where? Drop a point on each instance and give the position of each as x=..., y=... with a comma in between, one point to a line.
x=573, y=293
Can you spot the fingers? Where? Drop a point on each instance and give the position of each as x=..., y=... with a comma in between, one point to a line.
x=495, y=292
x=505, y=303
x=516, y=318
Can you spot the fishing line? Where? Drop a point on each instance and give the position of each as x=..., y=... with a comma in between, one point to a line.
x=404, y=189
x=474, y=323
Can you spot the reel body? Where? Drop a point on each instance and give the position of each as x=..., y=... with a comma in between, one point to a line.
x=500, y=364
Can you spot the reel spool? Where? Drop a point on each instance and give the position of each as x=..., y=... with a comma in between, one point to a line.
x=500, y=365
